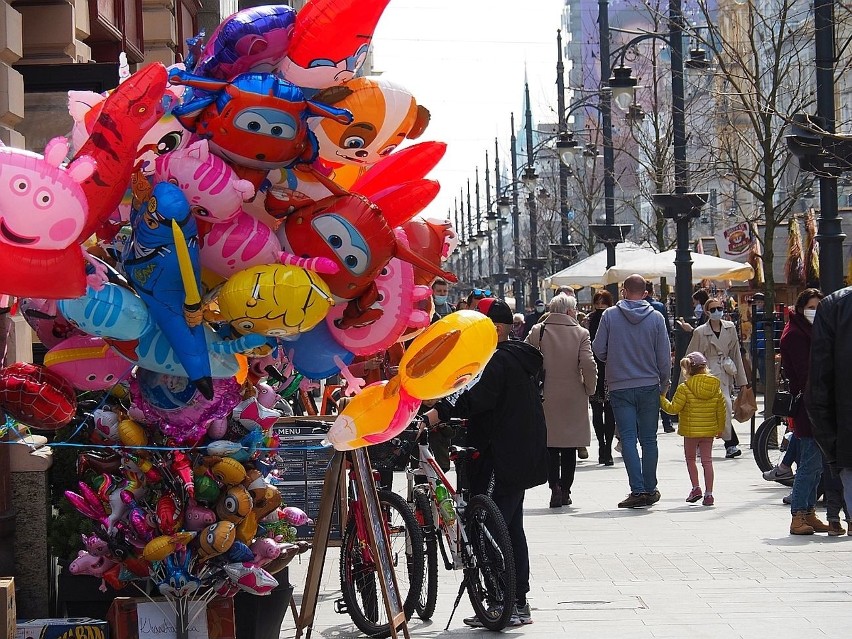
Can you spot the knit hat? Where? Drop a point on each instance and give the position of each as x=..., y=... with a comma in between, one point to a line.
x=697, y=359
x=496, y=310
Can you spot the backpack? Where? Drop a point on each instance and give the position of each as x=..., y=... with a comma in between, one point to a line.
x=537, y=378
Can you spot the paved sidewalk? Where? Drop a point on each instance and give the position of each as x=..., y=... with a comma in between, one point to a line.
x=673, y=570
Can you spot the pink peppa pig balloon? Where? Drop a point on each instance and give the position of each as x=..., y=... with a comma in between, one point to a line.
x=295, y=516
x=42, y=211
x=88, y=363
x=398, y=297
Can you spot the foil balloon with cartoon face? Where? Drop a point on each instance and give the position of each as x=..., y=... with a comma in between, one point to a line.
x=274, y=300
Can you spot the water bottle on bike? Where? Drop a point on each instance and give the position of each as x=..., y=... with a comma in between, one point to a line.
x=445, y=504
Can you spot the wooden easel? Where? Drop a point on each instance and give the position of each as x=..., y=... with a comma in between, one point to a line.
x=377, y=539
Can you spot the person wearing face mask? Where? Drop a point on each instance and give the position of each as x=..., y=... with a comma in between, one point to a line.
x=718, y=341
x=795, y=362
x=517, y=332
x=440, y=292
x=531, y=319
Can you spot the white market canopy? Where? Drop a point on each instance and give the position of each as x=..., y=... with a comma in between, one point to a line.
x=657, y=265
x=590, y=271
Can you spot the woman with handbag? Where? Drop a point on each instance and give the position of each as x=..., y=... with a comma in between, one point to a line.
x=570, y=377
x=718, y=341
x=795, y=362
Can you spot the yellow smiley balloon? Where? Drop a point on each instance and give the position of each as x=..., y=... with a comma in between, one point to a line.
x=274, y=300
x=447, y=355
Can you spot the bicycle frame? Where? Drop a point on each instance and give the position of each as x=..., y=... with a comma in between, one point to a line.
x=455, y=534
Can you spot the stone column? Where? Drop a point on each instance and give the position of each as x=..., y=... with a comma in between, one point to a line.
x=160, y=29
x=11, y=82
x=30, y=504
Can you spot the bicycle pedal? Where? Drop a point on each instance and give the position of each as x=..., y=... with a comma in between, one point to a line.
x=340, y=607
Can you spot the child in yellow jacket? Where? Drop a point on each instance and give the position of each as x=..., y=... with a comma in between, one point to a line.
x=701, y=408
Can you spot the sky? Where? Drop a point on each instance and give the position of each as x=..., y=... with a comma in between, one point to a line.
x=465, y=61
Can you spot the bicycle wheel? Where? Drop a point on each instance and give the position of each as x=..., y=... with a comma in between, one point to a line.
x=769, y=444
x=425, y=607
x=491, y=581
x=359, y=581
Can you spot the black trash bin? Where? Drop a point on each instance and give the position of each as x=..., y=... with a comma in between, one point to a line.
x=261, y=617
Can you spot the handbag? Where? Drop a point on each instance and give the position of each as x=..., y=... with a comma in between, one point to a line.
x=745, y=405
x=785, y=404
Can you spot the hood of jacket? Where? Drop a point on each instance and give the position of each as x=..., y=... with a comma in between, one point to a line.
x=703, y=386
x=529, y=356
x=634, y=310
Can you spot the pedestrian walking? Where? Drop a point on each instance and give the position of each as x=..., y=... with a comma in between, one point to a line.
x=506, y=424
x=603, y=421
x=795, y=361
x=633, y=342
x=701, y=409
x=570, y=377
x=718, y=341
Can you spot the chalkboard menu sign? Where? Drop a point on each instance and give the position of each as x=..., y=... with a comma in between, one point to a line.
x=301, y=468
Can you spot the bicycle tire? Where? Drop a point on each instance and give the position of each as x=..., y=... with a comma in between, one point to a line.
x=425, y=607
x=491, y=582
x=359, y=583
x=763, y=437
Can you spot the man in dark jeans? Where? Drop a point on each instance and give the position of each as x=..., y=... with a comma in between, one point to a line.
x=506, y=424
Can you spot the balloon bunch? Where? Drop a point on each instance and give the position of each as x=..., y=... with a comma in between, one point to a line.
x=202, y=520
x=254, y=216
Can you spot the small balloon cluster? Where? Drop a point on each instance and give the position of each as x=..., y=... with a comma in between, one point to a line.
x=189, y=520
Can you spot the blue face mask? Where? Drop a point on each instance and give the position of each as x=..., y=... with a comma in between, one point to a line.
x=716, y=314
x=440, y=300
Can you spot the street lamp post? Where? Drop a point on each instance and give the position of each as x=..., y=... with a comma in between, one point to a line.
x=489, y=271
x=517, y=272
x=532, y=263
x=829, y=234
x=681, y=205
x=502, y=209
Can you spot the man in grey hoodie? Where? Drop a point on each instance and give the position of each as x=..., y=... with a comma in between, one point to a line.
x=633, y=341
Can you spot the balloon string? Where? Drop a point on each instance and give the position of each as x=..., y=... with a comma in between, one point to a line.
x=159, y=448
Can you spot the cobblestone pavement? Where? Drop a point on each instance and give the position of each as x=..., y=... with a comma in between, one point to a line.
x=673, y=570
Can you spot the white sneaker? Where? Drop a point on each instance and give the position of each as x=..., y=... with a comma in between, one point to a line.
x=776, y=474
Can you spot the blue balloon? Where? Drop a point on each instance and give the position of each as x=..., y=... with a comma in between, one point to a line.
x=151, y=265
x=315, y=353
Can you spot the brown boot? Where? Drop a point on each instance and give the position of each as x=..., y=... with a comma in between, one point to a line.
x=814, y=522
x=555, y=496
x=799, y=526
x=835, y=529
x=566, y=497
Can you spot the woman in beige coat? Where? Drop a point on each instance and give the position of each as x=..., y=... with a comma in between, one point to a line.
x=718, y=341
x=570, y=378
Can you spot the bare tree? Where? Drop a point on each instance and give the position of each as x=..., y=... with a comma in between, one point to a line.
x=763, y=55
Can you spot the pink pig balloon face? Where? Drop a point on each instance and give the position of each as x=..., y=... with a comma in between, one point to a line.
x=42, y=205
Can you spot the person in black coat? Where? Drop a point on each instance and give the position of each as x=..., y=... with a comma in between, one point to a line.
x=603, y=419
x=506, y=424
x=827, y=397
